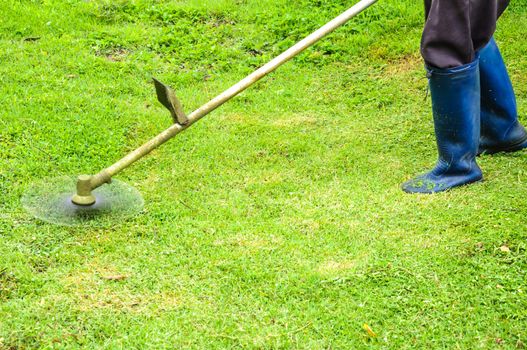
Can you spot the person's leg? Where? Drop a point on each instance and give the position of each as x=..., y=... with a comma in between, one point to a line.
x=446, y=41
x=455, y=30
x=456, y=109
x=449, y=47
x=500, y=128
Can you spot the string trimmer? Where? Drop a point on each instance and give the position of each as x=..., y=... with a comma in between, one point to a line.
x=56, y=201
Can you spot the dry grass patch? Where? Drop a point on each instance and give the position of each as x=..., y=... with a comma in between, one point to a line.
x=405, y=65
x=295, y=120
x=105, y=287
x=338, y=266
x=250, y=241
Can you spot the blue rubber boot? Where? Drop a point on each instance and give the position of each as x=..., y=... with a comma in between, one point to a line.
x=500, y=129
x=456, y=108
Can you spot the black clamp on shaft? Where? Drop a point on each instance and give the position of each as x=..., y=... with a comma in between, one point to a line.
x=168, y=98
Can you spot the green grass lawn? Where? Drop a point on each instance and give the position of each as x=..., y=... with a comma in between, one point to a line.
x=276, y=222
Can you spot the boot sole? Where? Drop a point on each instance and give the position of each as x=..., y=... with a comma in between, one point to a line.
x=518, y=146
x=446, y=189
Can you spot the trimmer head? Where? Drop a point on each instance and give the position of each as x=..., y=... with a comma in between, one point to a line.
x=84, y=195
x=67, y=201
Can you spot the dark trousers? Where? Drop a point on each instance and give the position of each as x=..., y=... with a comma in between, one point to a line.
x=456, y=29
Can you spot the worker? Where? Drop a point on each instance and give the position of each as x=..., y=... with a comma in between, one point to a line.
x=473, y=102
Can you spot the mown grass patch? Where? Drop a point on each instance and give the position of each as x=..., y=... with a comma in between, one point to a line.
x=276, y=222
